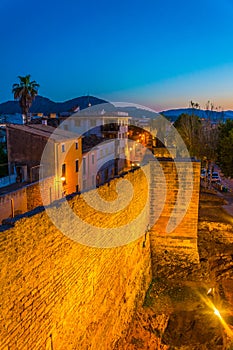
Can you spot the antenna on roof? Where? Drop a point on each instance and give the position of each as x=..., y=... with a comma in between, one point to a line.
x=89, y=103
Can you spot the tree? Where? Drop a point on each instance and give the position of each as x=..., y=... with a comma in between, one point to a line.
x=225, y=147
x=199, y=134
x=25, y=92
x=189, y=128
x=194, y=105
x=200, y=137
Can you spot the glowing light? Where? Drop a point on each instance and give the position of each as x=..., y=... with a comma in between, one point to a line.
x=63, y=178
x=210, y=305
x=210, y=291
x=217, y=313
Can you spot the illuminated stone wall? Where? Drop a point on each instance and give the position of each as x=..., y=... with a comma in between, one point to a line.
x=179, y=246
x=58, y=294
x=164, y=152
x=19, y=199
x=27, y=198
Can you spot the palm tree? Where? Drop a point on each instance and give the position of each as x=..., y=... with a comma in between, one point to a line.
x=25, y=92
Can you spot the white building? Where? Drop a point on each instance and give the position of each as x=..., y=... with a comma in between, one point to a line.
x=112, y=151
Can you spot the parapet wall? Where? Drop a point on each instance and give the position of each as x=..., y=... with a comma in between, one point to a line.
x=26, y=198
x=58, y=294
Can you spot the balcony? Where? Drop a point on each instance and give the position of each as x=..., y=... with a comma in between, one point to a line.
x=110, y=128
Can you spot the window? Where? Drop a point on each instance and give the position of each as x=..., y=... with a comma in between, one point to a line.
x=63, y=147
x=63, y=174
x=84, y=184
x=76, y=166
x=93, y=180
x=93, y=122
x=84, y=166
x=76, y=145
x=65, y=127
x=93, y=159
x=63, y=170
x=77, y=122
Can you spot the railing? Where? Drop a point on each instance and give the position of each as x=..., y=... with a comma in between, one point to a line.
x=110, y=127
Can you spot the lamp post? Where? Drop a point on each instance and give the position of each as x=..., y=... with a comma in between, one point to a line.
x=59, y=184
x=63, y=181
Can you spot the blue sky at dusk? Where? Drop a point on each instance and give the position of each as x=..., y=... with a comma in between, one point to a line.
x=158, y=53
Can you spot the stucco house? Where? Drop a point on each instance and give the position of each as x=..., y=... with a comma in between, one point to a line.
x=26, y=145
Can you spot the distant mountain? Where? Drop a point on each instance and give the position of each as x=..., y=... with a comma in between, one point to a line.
x=9, y=107
x=173, y=114
x=228, y=114
x=45, y=105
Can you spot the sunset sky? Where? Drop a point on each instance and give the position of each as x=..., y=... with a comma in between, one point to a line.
x=157, y=53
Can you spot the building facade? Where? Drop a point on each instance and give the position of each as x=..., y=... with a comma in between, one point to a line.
x=111, y=133
x=41, y=151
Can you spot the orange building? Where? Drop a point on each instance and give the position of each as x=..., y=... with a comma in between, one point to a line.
x=43, y=151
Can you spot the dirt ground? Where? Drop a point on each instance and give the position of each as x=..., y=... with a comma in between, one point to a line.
x=193, y=309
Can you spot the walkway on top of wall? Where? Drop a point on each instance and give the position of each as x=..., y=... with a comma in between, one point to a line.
x=12, y=188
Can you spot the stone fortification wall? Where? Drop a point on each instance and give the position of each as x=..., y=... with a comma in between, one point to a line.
x=180, y=245
x=59, y=294
x=26, y=198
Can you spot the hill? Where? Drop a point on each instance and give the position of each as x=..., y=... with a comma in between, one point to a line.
x=45, y=105
x=173, y=114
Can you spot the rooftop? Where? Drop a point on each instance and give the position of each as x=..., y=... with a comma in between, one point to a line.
x=83, y=114
x=49, y=132
x=92, y=142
